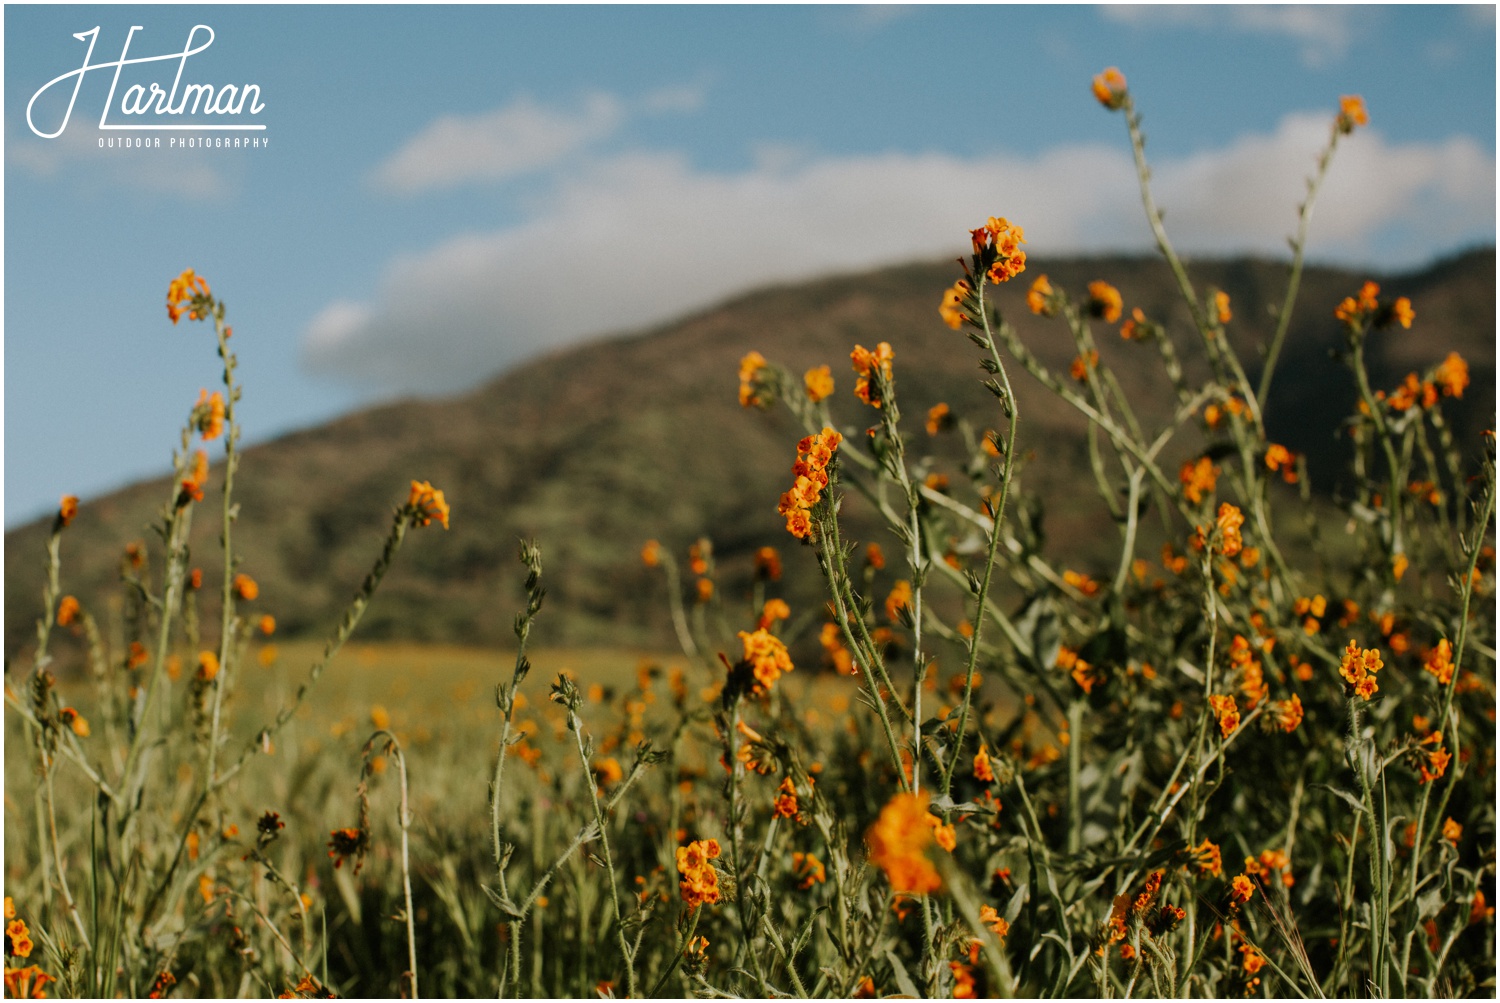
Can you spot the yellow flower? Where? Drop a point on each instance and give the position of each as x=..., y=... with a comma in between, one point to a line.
x=1110, y=89
x=1287, y=714
x=819, y=383
x=899, y=840
x=1105, y=302
x=982, y=769
x=1240, y=890
x=426, y=503
x=997, y=246
x=1358, y=667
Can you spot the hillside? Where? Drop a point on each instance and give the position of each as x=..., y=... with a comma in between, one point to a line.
x=594, y=449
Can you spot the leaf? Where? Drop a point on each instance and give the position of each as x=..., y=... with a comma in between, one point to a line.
x=1353, y=801
x=1017, y=902
x=903, y=980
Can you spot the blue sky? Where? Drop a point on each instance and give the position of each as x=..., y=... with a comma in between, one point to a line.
x=445, y=191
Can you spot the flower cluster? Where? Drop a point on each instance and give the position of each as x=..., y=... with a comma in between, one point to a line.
x=1359, y=666
x=808, y=870
x=66, y=510
x=997, y=249
x=700, y=882
x=1110, y=90
x=426, y=503
x=899, y=841
x=1199, y=477
x=951, y=309
x=1279, y=458
x=1286, y=714
x=767, y=658
x=814, y=453
x=208, y=415
x=767, y=565
x=1438, y=661
x=1226, y=712
x=833, y=650
x=874, y=369
x=1105, y=302
x=1041, y=298
x=819, y=383
x=346, y=843
x=188, y=293
x=1368, y=308
x=1351, y=113
x=751, y=383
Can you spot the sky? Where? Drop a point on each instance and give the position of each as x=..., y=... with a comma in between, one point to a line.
x=439, y=193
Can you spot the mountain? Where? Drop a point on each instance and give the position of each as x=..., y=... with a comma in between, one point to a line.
x=594, y=449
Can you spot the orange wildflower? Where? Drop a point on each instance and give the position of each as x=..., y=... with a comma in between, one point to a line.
x=208, y=666
x=1105, y=302
x=1110, y=89
x=1452, y=374
x=834, y=650
x=1198, y=477
x=74, y=720
x=1278, y=457
x=871, y=366
x=1083, y=365
x=1287, y=714
x=1228, y=524
x=427, y=503
x=1438, y=661
x=1431, y=765
x=1083, y=583
x=767, y=657
x=189, y=290
x=1226, y=712
x=1352, y=113
x=29, y=983
x=1399, y=312
x=651, y=553
x=992, y=919
x=1240, y=890
x=786, y=800
x=774, y=611
x=983, y=772
x=67, y=610
x=245, y=587
x=1136, y=327
x=899, y=599
x=700, y=881
x=1042, y=299
x=705, y=589
x=899, y=840
x=1221, y=307
x=808, y=870
x=1359, y=666
x=208, y=415
x=768, y=564
x=751, y=384
x=814, y=453
x=951, y=309
x=819, y=383
x=1206, y=857
x=346, y=843
x=18, y=939
x=1452, y=831
x=608, y=771
x=875, y=556
x=66, y=510
x=938, y=418
x=997, y=245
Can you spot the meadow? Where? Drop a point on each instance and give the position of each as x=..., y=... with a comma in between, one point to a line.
x=1254, y=756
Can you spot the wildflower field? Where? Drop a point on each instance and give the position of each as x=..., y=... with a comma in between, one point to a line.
x=1254, y=758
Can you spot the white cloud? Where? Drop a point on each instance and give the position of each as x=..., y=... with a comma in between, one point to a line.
x=76, y=154
x=664, y=238
x=1325, y=33
x=518, y=139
